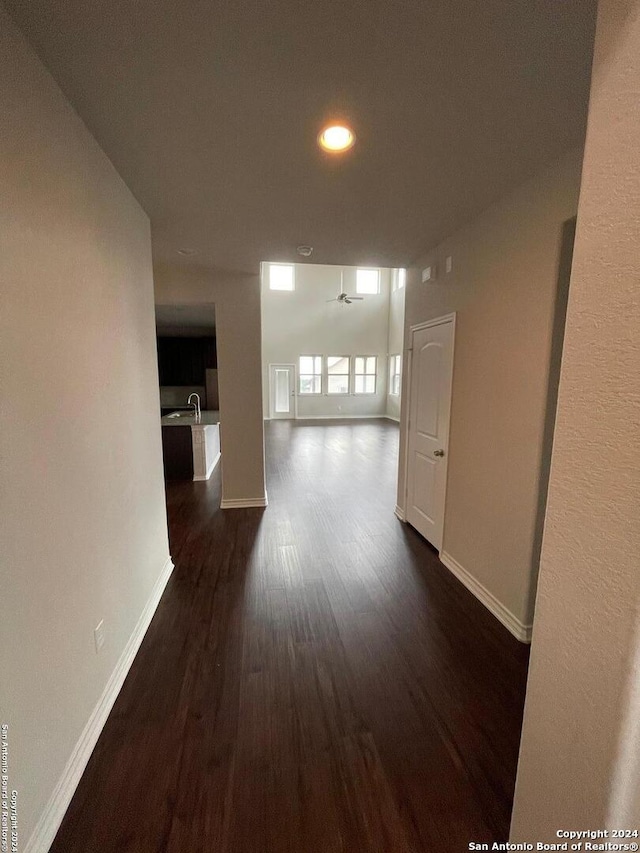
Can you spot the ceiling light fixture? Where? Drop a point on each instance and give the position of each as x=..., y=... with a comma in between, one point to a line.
x=305, y=251
x=336, y=138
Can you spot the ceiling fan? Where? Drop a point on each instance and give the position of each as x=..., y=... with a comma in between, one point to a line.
x=343, y=298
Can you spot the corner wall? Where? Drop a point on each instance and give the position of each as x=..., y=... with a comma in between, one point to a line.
x=84, y=531
x=580, y=753
x=238, y=341
x=395, y=343
x=503, y=286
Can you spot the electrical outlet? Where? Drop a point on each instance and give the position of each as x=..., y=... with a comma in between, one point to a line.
x=448, y=264
x=98, y=635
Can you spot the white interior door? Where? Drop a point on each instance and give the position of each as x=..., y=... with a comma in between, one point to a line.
x=428, y=436
x=282, y=390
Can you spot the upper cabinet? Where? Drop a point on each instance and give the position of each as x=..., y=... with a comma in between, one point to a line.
x=183, y=361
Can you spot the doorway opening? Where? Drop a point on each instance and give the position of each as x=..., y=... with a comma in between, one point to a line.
x=332, y=348
x=332, y=341
x=189, y=400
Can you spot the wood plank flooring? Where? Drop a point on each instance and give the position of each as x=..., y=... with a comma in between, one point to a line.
x=314, y=679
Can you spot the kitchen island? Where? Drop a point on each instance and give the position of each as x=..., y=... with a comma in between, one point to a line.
x=190, y=447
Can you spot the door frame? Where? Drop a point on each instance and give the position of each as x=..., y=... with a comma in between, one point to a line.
x=417, y=327
x=295, y=392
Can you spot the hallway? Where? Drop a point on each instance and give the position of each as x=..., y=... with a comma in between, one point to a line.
x=313, y=680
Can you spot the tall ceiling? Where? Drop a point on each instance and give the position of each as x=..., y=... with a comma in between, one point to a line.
x=210, y=110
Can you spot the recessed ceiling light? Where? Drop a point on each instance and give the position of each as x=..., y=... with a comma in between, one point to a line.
x=305, y=251
x=336, y=138
x=187, y=252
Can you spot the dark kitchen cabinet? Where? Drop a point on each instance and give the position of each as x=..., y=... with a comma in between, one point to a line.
x=183, y=361
x=210, y=353
x=177, y=452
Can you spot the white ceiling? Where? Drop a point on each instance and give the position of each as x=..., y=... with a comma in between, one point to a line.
x=209, y=109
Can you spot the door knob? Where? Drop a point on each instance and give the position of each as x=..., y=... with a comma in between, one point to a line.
x=438, y=452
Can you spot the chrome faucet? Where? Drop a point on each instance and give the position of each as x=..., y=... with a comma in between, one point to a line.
x=195, y=405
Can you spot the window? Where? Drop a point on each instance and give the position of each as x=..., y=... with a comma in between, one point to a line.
x=281, y=277
x=310, y=374
x=367, y=281
x=394, y=374
x=338, y=369
x=365, y=374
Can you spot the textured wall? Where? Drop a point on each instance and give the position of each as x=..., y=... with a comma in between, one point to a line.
x=579, y=760
x=84, y=533
x=503, y=285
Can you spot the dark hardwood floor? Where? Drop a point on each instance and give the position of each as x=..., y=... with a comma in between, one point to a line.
x=313, y=680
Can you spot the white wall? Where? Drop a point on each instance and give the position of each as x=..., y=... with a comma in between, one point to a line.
x=580, y=753
x=84, y=533
x=237, y=303
x=303, y=322
x=395, y=344
x=503, y=286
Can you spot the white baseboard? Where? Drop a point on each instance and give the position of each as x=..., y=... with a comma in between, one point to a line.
x=243, y=503
x=338, y=417
x=519, y=630
x=199, y=477
x=45, y=831
x=399, y=513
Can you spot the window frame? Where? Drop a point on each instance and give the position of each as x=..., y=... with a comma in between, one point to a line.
x=395, y=360
x=398, y=279
x=302, y=375
x=292, y=267
x=356, y=374
x=329, y=392
x=368, y=292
